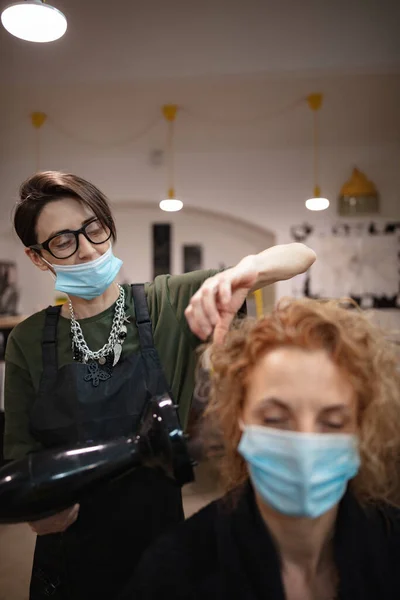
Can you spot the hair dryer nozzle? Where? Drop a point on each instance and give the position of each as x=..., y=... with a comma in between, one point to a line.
x=47, y=482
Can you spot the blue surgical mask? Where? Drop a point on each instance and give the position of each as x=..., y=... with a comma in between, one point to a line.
x=299, y=474
x=90, y=279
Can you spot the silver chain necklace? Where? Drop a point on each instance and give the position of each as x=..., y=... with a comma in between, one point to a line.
x=111, y=349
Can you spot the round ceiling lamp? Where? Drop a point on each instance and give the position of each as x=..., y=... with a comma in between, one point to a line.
x=317, y=202
x=171, y=203
x=34, y=21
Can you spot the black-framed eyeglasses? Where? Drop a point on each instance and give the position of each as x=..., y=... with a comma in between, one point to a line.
x=65, y=243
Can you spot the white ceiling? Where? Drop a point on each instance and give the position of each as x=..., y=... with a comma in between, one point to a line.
x=235, y=114
x=220, y=60
x=122, y=40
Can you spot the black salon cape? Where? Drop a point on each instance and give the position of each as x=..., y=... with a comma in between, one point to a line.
x=221, y=553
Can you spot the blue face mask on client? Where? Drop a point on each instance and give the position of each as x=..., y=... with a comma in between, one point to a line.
x=299, y=474
x=90, y=279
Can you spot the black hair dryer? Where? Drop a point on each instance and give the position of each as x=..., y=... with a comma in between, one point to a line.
x=46, y=482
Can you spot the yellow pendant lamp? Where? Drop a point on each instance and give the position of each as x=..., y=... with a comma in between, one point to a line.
x=317, y=202
x=171, y=203
x=34, y=21
x=358, y=196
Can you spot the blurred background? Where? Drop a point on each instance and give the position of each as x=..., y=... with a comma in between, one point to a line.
x=243, y=108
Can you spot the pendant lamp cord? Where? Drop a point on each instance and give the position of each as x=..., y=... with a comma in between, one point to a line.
x=38, y=150
x=316, y=148
x=170, y=155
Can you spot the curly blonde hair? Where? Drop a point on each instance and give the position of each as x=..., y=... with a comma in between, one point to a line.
x=356, y=346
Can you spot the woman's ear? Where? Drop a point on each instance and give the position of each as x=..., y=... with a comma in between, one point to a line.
x=36, y=259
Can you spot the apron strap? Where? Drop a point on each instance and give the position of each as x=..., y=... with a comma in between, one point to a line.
x=143, y=320
x=49, y=340
x=157, y=382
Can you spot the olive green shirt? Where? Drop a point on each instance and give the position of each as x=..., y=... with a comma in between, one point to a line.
x=167, y=298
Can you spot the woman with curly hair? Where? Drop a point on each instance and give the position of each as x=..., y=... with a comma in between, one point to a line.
x=307, y=402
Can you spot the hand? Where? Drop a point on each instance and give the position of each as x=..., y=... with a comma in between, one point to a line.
x=56, y=523
x=214, y=306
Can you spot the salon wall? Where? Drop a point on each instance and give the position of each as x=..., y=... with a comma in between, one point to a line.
x=263, y=189
x=258, y=173
x=224, y=242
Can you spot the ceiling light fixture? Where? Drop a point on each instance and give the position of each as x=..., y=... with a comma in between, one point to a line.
x=316, y=203
x=34, y=21
x=170, y=204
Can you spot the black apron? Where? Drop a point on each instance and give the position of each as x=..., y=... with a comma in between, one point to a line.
x=97, y=555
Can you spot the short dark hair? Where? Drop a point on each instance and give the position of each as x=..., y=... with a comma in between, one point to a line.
x=48, y=186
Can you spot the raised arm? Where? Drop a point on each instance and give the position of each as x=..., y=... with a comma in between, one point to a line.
x=213, y=307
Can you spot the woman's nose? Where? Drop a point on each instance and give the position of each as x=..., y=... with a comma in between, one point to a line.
x=85, y=249
x=306, y=424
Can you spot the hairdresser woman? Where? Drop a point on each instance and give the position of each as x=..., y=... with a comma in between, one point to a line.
x=84, y=371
